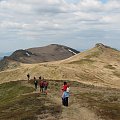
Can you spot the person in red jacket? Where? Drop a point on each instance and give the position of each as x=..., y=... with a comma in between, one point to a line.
x=64, y=88
x=41, y=84
x=45, y=86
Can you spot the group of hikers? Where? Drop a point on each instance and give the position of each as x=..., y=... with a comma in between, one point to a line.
x=43, y=84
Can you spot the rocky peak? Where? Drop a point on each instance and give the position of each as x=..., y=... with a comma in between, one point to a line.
x=104, y=47
x=99, y=45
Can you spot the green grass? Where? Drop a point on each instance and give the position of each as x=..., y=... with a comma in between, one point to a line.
x=28, y=107
x=11, y=91
x=15, y=104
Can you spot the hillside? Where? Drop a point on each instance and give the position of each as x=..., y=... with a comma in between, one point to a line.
x=94, y=79
x=19, y=101
x=98, y=66
x=48, y=53
x=7, y=63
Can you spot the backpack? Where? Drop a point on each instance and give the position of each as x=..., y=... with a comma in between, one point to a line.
x=68, y=89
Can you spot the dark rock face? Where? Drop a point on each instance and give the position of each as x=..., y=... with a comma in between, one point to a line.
x=99, y=45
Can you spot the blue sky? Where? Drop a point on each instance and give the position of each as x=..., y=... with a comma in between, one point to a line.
x=76, y=23
x=104, y=1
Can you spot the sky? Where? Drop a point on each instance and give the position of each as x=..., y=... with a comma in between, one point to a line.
x=79, y=24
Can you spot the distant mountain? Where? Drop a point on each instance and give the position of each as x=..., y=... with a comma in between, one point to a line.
x=48, y=53
x=53, y=52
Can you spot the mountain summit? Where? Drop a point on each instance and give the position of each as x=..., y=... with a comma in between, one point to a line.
x=48, y=53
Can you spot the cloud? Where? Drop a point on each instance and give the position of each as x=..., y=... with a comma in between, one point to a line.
x=58, y=19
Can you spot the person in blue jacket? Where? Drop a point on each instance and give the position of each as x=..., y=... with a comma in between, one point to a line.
x=65, y=97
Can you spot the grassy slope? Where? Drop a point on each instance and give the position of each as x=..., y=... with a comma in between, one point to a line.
x=99, y=66
x=16, y=103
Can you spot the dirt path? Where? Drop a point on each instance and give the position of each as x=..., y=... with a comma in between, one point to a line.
x=73, y=112
x=76, y=112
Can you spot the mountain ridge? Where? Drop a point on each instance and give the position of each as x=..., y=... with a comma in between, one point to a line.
x=52, y=52
x=98, y=66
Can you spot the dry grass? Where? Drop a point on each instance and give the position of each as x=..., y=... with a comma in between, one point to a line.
x=89, y=66
x=109, y=67
x=83, y=61
x=117, y=73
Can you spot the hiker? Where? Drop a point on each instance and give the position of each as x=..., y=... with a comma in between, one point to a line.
x=64, y=87
x=65, y=97
x=65, y=94
x=35, y=83
x=40, y=78
x=45, y=86
x=68, y=88
x=28, y=76
x=41, y=84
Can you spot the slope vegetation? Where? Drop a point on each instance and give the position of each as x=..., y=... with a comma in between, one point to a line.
x=98, y=66
x=19, y=101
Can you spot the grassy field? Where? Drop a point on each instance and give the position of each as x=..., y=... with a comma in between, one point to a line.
x=105, y=102
x=19, y=101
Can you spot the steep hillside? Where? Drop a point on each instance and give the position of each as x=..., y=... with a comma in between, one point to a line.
x=7, y=63
x=48, y=53
x=99, y=52
x=98, y=66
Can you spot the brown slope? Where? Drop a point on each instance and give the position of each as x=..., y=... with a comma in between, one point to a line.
x=48, y=53
x=7, y=63
x=98, y=66
x=99, y=52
